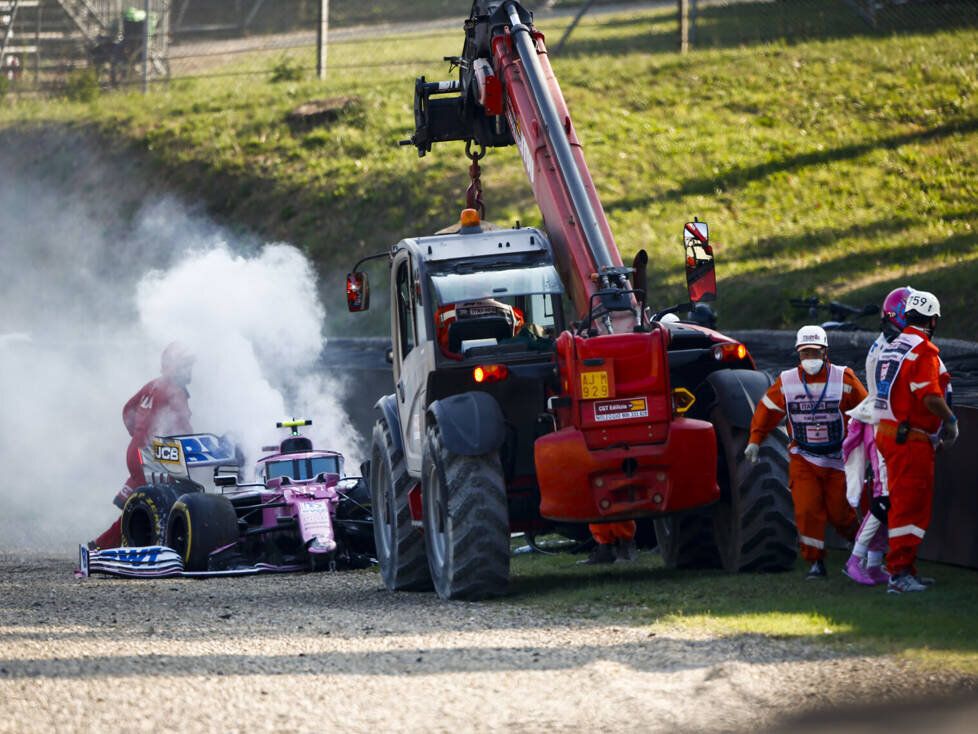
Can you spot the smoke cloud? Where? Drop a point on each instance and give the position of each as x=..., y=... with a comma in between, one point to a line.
x=90, y=298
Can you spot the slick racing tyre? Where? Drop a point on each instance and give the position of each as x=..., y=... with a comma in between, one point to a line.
x=199, y=524
x=145, y=514
x=466, y=521
x=400, y=547
x=354, y=519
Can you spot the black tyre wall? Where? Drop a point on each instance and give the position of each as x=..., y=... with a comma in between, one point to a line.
x=199, y=524
x=466, y=521
x=400, y=547
x=145, y=514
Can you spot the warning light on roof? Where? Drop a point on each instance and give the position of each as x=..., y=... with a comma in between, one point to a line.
x=470, y=218
x=490, y=373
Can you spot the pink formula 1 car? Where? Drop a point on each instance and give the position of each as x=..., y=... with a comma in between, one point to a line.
x=194, y=517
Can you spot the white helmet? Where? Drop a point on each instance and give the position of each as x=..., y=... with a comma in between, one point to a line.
x=811, y=336
x=923, y=303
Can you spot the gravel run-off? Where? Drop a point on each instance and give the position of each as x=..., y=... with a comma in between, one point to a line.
x=335, y=651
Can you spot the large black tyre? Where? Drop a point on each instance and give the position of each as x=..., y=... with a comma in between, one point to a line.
x=199, y=524
x=466, y=521
x=753, y=523
x=145, y=514
x=686, y=540
x=400, y=547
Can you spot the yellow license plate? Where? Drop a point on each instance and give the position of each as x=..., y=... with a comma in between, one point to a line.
x=594, y=385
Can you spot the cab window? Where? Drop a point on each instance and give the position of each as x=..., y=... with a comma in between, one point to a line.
x=405, y=309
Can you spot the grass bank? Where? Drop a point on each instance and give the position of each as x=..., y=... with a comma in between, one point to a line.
x=936, y=628
x=841, y=165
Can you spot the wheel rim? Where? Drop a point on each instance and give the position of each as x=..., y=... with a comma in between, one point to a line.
x=438, y=525
x=140, y=527
x=178, y=535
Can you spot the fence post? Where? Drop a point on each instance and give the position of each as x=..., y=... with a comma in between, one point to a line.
x=683, y=26
x=146, y=49
x=321, y=35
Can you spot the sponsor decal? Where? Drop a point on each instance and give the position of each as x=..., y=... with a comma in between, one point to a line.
x=617, y=410
x=146, y=403
x=168, y=453
x=525, y=153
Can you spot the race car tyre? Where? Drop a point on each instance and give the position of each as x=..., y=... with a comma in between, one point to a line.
x=753, y=523
x=400, y=547
x=199, y=524
x=354, y=519
x=466, y=521
x=145, y=514
x=686, y=540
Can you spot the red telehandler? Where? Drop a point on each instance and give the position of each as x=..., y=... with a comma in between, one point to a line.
x=510, y=415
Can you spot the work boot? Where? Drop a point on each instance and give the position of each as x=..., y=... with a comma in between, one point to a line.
x=626, y=551
x=602, y=553
x=904, y=582
x=855, y=570
x=817, y=571
x=877, y=574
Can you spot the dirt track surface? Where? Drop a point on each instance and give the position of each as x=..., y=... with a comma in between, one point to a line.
x=328, y=652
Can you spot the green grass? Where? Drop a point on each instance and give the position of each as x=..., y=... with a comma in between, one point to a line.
x=936, y=628
x=840, y=166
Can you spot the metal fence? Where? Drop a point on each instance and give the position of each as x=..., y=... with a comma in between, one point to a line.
x=48, y=45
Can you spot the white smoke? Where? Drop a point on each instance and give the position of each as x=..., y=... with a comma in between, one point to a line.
x=88, y=302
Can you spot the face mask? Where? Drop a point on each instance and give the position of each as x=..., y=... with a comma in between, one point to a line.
x=811, y=366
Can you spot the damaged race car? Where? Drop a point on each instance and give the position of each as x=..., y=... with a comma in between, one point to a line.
x=194, y=517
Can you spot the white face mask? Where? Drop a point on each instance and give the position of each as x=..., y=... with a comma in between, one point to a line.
x=811, y=366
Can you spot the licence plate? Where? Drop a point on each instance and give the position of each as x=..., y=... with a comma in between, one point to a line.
x=594, y=385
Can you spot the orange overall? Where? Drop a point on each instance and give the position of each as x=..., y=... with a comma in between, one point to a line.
x=817, y=481
x=909, y=465
x=607, y=533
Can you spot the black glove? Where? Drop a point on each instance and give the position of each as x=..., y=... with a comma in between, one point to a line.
x=950, y=433
x=879, y=506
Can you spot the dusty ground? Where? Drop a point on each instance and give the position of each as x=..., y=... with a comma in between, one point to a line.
x=324, y=652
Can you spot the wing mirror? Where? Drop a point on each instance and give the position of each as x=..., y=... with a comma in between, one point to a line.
x=701, y=278
x=357, y=292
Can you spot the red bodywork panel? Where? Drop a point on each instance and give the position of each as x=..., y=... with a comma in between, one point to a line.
x=620, y=452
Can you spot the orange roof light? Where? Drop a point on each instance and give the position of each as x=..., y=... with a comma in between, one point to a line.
x=470, y=218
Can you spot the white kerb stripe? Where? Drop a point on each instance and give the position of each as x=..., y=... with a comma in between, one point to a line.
x=906, y=530
x=816, y=543
x=771, y=404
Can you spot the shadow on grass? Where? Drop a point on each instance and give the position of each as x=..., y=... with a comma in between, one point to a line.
x=745, y=24
x=781, y=605
x=737, y=176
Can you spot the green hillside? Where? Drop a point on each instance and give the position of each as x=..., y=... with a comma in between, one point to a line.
x=840, y=166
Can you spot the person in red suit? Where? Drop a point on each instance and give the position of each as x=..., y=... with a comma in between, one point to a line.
x=914, y=419
x=160, y=408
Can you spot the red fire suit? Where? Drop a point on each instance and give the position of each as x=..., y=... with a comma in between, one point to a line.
x=160, y=408
x=908, y=371
x=815, y=473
